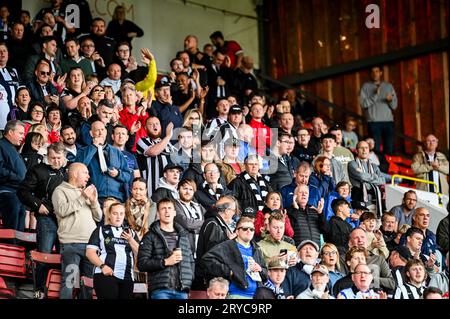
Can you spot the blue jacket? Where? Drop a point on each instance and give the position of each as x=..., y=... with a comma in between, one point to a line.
x=287, y=193
x=324, y=183
x=166, y=113
x=12, y=167
x=107, y=186
x=328, y=210
x=296, y=280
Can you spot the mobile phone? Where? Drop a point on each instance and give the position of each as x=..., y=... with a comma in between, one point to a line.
x=283, y=251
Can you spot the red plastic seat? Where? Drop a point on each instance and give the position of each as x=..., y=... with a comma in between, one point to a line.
x=12, y=261
x=5, y=292
x=53, y=284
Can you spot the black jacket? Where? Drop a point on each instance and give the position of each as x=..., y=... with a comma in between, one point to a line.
x=244, y=193
x=307, y=224
x=338, y=232
x=38, y=186
x=341, y=284
x=284, y=174
x=37, y=95
x=195, y=173
x=153, y=250
x=296, y=280
x=206, y=199
x=213, y=232
x=226, y=257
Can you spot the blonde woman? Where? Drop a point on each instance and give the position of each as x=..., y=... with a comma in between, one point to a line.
x=329, y=256
x=194, y=119
x=76, y=88
x=111, y=249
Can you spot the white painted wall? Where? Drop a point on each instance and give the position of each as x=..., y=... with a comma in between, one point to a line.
x=167, y=22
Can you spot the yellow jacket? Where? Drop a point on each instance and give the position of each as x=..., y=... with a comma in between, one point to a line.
x=149, y=82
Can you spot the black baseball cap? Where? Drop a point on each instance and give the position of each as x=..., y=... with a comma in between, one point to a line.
x=164, y=81
x=403, y=252
x=360, y=205
x=172, y=166
x=235, y=109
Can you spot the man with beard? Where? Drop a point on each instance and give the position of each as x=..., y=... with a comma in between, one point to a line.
x=303, y=150
x=154, y=152
x=319, y=283
x=168, y=183
x=68, y=137
x=405, y=211
x=163, y=106
x=35, y=192
x=189, y=213
x=184, y=155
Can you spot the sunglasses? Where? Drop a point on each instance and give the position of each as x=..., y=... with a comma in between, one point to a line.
x=247, y=228
x=98, y=90
x=194, y=118
x=45, y=73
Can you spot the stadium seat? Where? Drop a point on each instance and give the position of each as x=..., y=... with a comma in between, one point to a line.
x=38, y=257
x=5, y=292
x=12, y=261
x=53, y=284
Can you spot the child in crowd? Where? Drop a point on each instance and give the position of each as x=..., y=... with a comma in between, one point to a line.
x=375, y=241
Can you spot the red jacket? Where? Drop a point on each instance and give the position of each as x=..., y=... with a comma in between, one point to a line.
x=259, y=223
x=128, y=119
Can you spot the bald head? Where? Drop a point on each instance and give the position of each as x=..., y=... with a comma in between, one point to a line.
x=78, y=175
x=98, y=132
x=358, y=238
x=245, y=133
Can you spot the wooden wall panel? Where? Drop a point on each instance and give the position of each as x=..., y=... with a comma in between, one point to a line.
x=307, y=35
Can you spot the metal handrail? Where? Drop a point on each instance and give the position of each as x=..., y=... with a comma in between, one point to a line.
x=420, y=181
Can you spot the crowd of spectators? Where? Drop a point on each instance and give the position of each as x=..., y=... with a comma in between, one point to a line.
x=195, y=180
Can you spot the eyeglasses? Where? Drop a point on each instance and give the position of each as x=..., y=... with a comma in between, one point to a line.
x=329, y=253
x=360, y=273
x=99, y=91
x=287, y=142
x=39, y=112
x=45, y=73
x=88, y=46
x=247, y=228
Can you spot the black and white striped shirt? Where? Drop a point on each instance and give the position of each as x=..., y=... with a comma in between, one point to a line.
x=114, y=251
x=152, y=170
x=213, y=126
x=408, y=291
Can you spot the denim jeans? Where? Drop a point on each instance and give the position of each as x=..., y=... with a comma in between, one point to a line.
x=74, y=264
x=46, y=237
x=13, y=212
x=168, y=294
x=383, y=133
